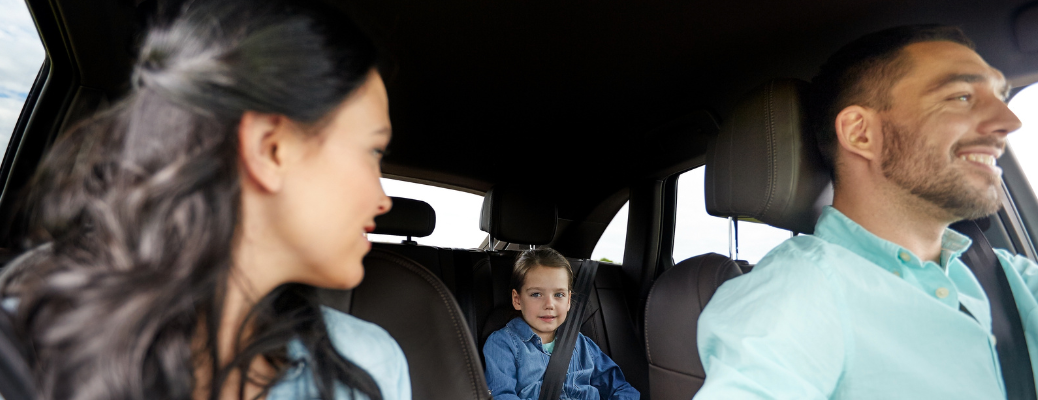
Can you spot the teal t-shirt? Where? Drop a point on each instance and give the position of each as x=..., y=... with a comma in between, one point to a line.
x=548, y=347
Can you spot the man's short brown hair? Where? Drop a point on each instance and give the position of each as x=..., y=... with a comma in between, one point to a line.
x=862, y=73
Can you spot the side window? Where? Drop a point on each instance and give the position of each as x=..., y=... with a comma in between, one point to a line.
x=1025, y=140
x=457, y=214
x=22, y=57
x=697, y=232
x=610, y=247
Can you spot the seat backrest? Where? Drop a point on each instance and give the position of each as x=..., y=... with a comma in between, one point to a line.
x=762, y=165
x=402, y=292
x=414, y=306
x=672, y=310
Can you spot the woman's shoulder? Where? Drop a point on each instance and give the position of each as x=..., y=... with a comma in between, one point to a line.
x=351, y=335
x=372, y=348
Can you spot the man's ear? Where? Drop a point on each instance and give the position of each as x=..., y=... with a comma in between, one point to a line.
x=259, y=148
x=515, y=300
x=858, y=130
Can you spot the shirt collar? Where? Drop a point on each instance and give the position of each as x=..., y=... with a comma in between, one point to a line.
x=522, y=329
x=836, y=228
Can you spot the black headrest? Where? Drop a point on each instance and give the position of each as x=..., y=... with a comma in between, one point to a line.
x=408, y=217
x=765, y=165
x=517, y=214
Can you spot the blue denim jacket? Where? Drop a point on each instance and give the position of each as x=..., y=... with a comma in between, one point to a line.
x=365, y=344
x=516, y=362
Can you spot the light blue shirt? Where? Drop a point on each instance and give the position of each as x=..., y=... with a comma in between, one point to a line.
x=365, y=344
x=843, y=314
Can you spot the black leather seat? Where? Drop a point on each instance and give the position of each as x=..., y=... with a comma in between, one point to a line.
x=762, y=166
x=409, y=300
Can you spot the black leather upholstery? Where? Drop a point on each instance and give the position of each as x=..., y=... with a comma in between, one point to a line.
x=419, y=312
x=672, y=311
x=516, y=214
x=763, y=165
x=408, y=217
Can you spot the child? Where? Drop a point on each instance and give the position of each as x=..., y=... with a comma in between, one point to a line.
x=517, y=355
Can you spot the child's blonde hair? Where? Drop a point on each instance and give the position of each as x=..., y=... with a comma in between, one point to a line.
x=544, y=256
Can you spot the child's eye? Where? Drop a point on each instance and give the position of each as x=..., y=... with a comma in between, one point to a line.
x=379, y=152
x=535, y=294
x=560, y=295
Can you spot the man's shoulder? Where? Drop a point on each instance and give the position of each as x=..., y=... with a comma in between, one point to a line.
x=799, y=258
x=801, y=270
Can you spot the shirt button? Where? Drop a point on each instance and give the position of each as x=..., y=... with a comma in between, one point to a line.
x=994, y=341
x=903, y=255
x=898, y=273
x=942, y=293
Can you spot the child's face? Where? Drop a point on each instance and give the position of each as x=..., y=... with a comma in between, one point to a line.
x=544, y=300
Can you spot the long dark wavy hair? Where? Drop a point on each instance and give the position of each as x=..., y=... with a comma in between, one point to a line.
x=134, y=212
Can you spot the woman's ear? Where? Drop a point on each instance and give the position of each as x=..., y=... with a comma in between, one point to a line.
x=515, y=300
x=260, y=138
x=858, y=129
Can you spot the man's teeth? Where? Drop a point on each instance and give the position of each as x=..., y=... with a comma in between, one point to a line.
x=986, y=159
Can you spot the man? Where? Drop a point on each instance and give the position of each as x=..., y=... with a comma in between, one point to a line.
x=876, y=304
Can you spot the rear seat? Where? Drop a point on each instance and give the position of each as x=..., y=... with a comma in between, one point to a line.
x=479, y=280
x=521, y=218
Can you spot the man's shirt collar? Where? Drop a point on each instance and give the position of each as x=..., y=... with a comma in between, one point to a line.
x=836, y=228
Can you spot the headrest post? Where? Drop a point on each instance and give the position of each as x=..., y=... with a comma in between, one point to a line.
x=731, y=238
x=532, y=247
x=490, y=243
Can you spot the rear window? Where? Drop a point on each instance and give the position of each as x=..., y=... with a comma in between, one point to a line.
x=610, y=247
x=21, y=56
x=457, y=214
x=1025, y=140
x=697, y=232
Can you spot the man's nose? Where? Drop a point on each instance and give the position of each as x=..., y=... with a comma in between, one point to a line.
x=1001, y=120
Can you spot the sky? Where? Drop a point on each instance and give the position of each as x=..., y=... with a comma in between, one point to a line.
x=457, y=213
x=21, y=56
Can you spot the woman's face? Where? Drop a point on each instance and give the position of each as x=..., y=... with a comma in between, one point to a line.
x=333, y=193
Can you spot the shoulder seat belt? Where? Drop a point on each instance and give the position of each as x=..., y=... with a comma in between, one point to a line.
x=16, y=381
x=1010, y=341
x=566, y=336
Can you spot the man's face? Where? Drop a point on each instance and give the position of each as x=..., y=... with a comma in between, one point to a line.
x=946, y=127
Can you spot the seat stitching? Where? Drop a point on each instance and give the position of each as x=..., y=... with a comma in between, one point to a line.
x=452, y=311
x=773, y=171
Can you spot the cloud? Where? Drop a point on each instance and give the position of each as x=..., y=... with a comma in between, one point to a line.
x=24, y=54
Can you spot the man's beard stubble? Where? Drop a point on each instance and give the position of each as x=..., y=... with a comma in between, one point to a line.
x=928, y=174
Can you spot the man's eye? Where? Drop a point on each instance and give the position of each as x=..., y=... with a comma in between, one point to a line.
x=964, y=97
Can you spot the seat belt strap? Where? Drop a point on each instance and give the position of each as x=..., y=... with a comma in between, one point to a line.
x=1006, y=325
x=566, y=335
x=16, y=381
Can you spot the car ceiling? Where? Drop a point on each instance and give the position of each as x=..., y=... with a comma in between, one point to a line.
x=578, y=97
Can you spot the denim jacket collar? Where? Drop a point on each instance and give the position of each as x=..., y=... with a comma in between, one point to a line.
x=522, y=330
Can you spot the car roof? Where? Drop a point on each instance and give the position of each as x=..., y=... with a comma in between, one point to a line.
x=579, y=98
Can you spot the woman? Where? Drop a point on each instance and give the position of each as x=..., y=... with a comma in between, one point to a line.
x=180, y=233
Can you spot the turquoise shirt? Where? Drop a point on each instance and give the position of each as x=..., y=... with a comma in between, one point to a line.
x=365, y=344
x=843, y=314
